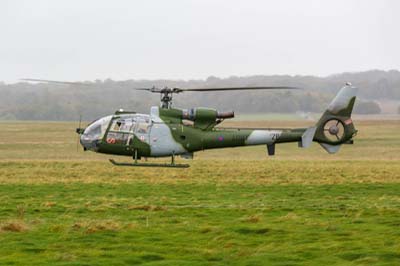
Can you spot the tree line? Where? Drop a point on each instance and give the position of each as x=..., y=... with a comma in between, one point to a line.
x=29, y=101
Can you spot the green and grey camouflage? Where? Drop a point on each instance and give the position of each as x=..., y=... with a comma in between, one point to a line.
x=170, y=131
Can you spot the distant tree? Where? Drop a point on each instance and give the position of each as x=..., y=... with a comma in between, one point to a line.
x=367, y=108
x=28, y=101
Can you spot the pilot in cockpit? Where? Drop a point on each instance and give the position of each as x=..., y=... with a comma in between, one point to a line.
x=117, y=126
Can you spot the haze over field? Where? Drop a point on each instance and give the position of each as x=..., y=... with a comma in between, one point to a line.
x=97, y=39
x=125, y=44
x=379, y=93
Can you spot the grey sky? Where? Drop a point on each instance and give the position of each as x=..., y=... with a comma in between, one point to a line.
x=85, y=40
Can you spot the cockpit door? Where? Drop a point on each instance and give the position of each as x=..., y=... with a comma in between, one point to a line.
x=121, y=131
x=143, y=128
x=129, y=133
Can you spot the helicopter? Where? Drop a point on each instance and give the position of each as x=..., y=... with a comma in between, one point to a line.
x=170, y=132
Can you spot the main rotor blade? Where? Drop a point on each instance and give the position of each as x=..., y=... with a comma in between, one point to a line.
x=153, y=89
x=58, y=82
x=173, y=90
x=240, y=88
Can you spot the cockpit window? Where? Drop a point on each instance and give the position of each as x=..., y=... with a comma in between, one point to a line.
x=124, y=124
x=97, y=129
x=143, y=124
x=94, y=131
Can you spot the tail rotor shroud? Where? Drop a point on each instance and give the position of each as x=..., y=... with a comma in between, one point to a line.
x=334, y=130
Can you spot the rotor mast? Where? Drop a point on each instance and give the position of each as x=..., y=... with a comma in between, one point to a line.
x=166, y=99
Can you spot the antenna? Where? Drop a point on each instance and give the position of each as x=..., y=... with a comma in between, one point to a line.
x=79, y=131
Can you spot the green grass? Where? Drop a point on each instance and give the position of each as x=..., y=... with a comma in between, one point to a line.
x=232, y=207
x=185, y=224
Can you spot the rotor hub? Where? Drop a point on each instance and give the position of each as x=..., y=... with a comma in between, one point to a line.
x=333, y=130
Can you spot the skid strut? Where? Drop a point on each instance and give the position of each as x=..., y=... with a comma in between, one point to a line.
x=137, y=164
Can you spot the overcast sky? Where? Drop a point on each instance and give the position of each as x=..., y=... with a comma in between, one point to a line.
x=93, y=39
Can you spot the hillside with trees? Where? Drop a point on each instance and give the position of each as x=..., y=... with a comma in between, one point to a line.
x=29, y=101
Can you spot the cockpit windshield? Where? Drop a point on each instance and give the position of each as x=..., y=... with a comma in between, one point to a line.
x=97, y=129
x=121, y=130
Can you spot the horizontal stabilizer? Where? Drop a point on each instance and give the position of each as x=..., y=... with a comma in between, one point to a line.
x=307, y=137
x=330, y=148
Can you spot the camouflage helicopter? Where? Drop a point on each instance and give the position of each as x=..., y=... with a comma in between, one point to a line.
x=169, y=131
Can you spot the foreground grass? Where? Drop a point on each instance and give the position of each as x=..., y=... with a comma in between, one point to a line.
x=232, y=207
x=189, y=223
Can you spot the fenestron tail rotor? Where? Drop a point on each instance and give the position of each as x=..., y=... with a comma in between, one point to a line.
x=334, y=130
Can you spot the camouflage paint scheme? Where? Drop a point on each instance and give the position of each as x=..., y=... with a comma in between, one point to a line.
x=171, y=131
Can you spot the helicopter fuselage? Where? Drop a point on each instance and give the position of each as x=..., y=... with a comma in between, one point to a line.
x=170, y=131
x=164, y=133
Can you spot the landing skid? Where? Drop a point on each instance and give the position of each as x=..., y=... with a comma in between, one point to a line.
x=150, y=164
x=136, y=163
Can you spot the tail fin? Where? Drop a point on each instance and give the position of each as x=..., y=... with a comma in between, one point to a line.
x=335, y=127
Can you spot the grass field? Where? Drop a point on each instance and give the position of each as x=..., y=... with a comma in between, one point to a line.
x=232, y=207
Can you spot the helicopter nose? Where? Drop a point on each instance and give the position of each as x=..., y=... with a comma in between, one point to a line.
x=88, y=143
